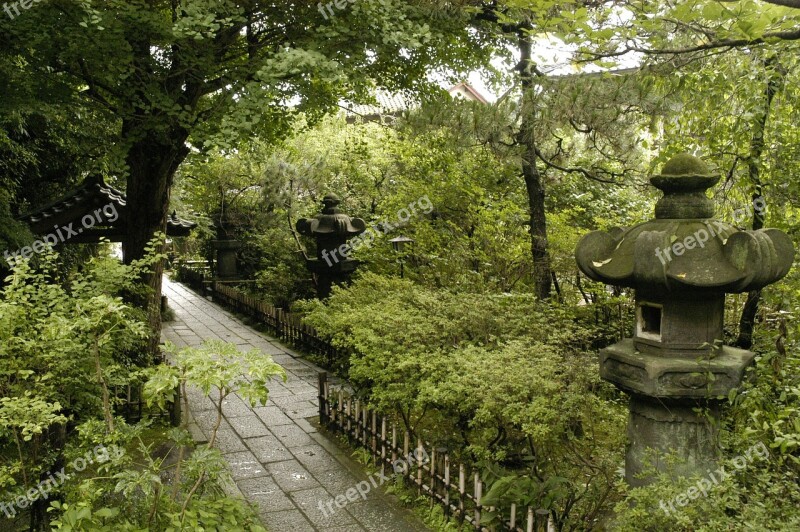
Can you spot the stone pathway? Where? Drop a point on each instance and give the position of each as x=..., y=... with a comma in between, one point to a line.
x=278, y=459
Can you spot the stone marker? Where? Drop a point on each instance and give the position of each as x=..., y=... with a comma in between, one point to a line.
x=681, y=265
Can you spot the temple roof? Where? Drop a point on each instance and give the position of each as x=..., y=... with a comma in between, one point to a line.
x=90, y=198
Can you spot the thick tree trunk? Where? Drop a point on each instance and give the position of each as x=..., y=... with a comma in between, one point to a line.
x=534, y=186
x=152, y=165
x=775, y=78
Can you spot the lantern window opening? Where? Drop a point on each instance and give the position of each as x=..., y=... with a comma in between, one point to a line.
x=648, y=321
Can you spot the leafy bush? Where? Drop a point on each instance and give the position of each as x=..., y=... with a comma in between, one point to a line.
x=495, y=378
x=176, y=488
x=63, y=349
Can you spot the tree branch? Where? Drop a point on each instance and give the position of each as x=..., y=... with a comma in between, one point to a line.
x=787, y=35
x=574, y=170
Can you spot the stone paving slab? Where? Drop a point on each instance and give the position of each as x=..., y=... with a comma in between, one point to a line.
x=279, y=461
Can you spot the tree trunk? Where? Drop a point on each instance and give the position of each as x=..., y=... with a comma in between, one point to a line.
x=534, y=186
x=774, y=80
x=152, y=165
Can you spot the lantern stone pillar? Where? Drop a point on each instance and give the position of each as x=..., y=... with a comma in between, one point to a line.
x=331, y=229
x=226, y=251
x=675, y=368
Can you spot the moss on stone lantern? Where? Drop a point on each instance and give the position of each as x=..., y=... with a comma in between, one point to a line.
x=680, y=265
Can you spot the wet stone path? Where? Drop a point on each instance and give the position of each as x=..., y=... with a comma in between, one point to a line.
x=278, y=459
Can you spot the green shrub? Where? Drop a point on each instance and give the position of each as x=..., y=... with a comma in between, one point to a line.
x=495, y=378
x=63, y=349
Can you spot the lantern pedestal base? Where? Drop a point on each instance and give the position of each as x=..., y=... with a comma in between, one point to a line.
x=695, y=376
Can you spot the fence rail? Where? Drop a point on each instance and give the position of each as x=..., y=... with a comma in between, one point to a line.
x=195, y=275
x=286, y=326
x=456, y=489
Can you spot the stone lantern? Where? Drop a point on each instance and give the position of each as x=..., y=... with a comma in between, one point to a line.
x=226, y=249
x=331, y=229
x=675, y=368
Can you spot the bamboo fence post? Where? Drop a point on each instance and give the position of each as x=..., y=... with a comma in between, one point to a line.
x=478, y=494
x=374, y=433
x=323, y=398
x=340, y=408
x=462, y=491
x=394, y=444
x=541, y=519
x=349, y=417
x=432, y=471
x=357, y=419
x=512, y=521
x=447, y=484
x=365, y=427
x=405, y=451
x=418, y=456
x=383, y=447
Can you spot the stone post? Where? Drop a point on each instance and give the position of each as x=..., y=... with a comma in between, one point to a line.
x=226, y=258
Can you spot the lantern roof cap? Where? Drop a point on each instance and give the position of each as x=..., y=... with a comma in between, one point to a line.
x=684, y=174
x=684, y=248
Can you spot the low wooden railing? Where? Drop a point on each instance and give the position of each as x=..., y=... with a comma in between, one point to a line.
x=456, y=489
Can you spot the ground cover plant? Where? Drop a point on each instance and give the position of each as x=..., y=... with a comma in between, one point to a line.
x=511, y=386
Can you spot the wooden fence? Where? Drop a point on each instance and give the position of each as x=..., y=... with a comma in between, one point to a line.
x=129, y=402
x=286, y=326
x=427, y=468
x=195, y=274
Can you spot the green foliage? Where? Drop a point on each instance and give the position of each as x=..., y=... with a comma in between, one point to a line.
x=216, y=367
x=64, y=349
x=494, y=378
x=28, y=416
x=134, y=494
x=761, y=497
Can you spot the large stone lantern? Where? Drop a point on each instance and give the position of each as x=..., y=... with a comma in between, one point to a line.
x=681, y=265
x=331, y=229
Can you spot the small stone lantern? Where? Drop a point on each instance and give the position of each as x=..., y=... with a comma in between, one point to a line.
x=331, y=229
x=681, y=265
x=226, y=251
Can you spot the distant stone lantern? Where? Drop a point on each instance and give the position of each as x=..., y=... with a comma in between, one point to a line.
x=331, y=229
x=681, y=265
x=226, y=249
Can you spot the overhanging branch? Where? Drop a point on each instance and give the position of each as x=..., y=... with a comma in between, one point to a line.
x=575, y=170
